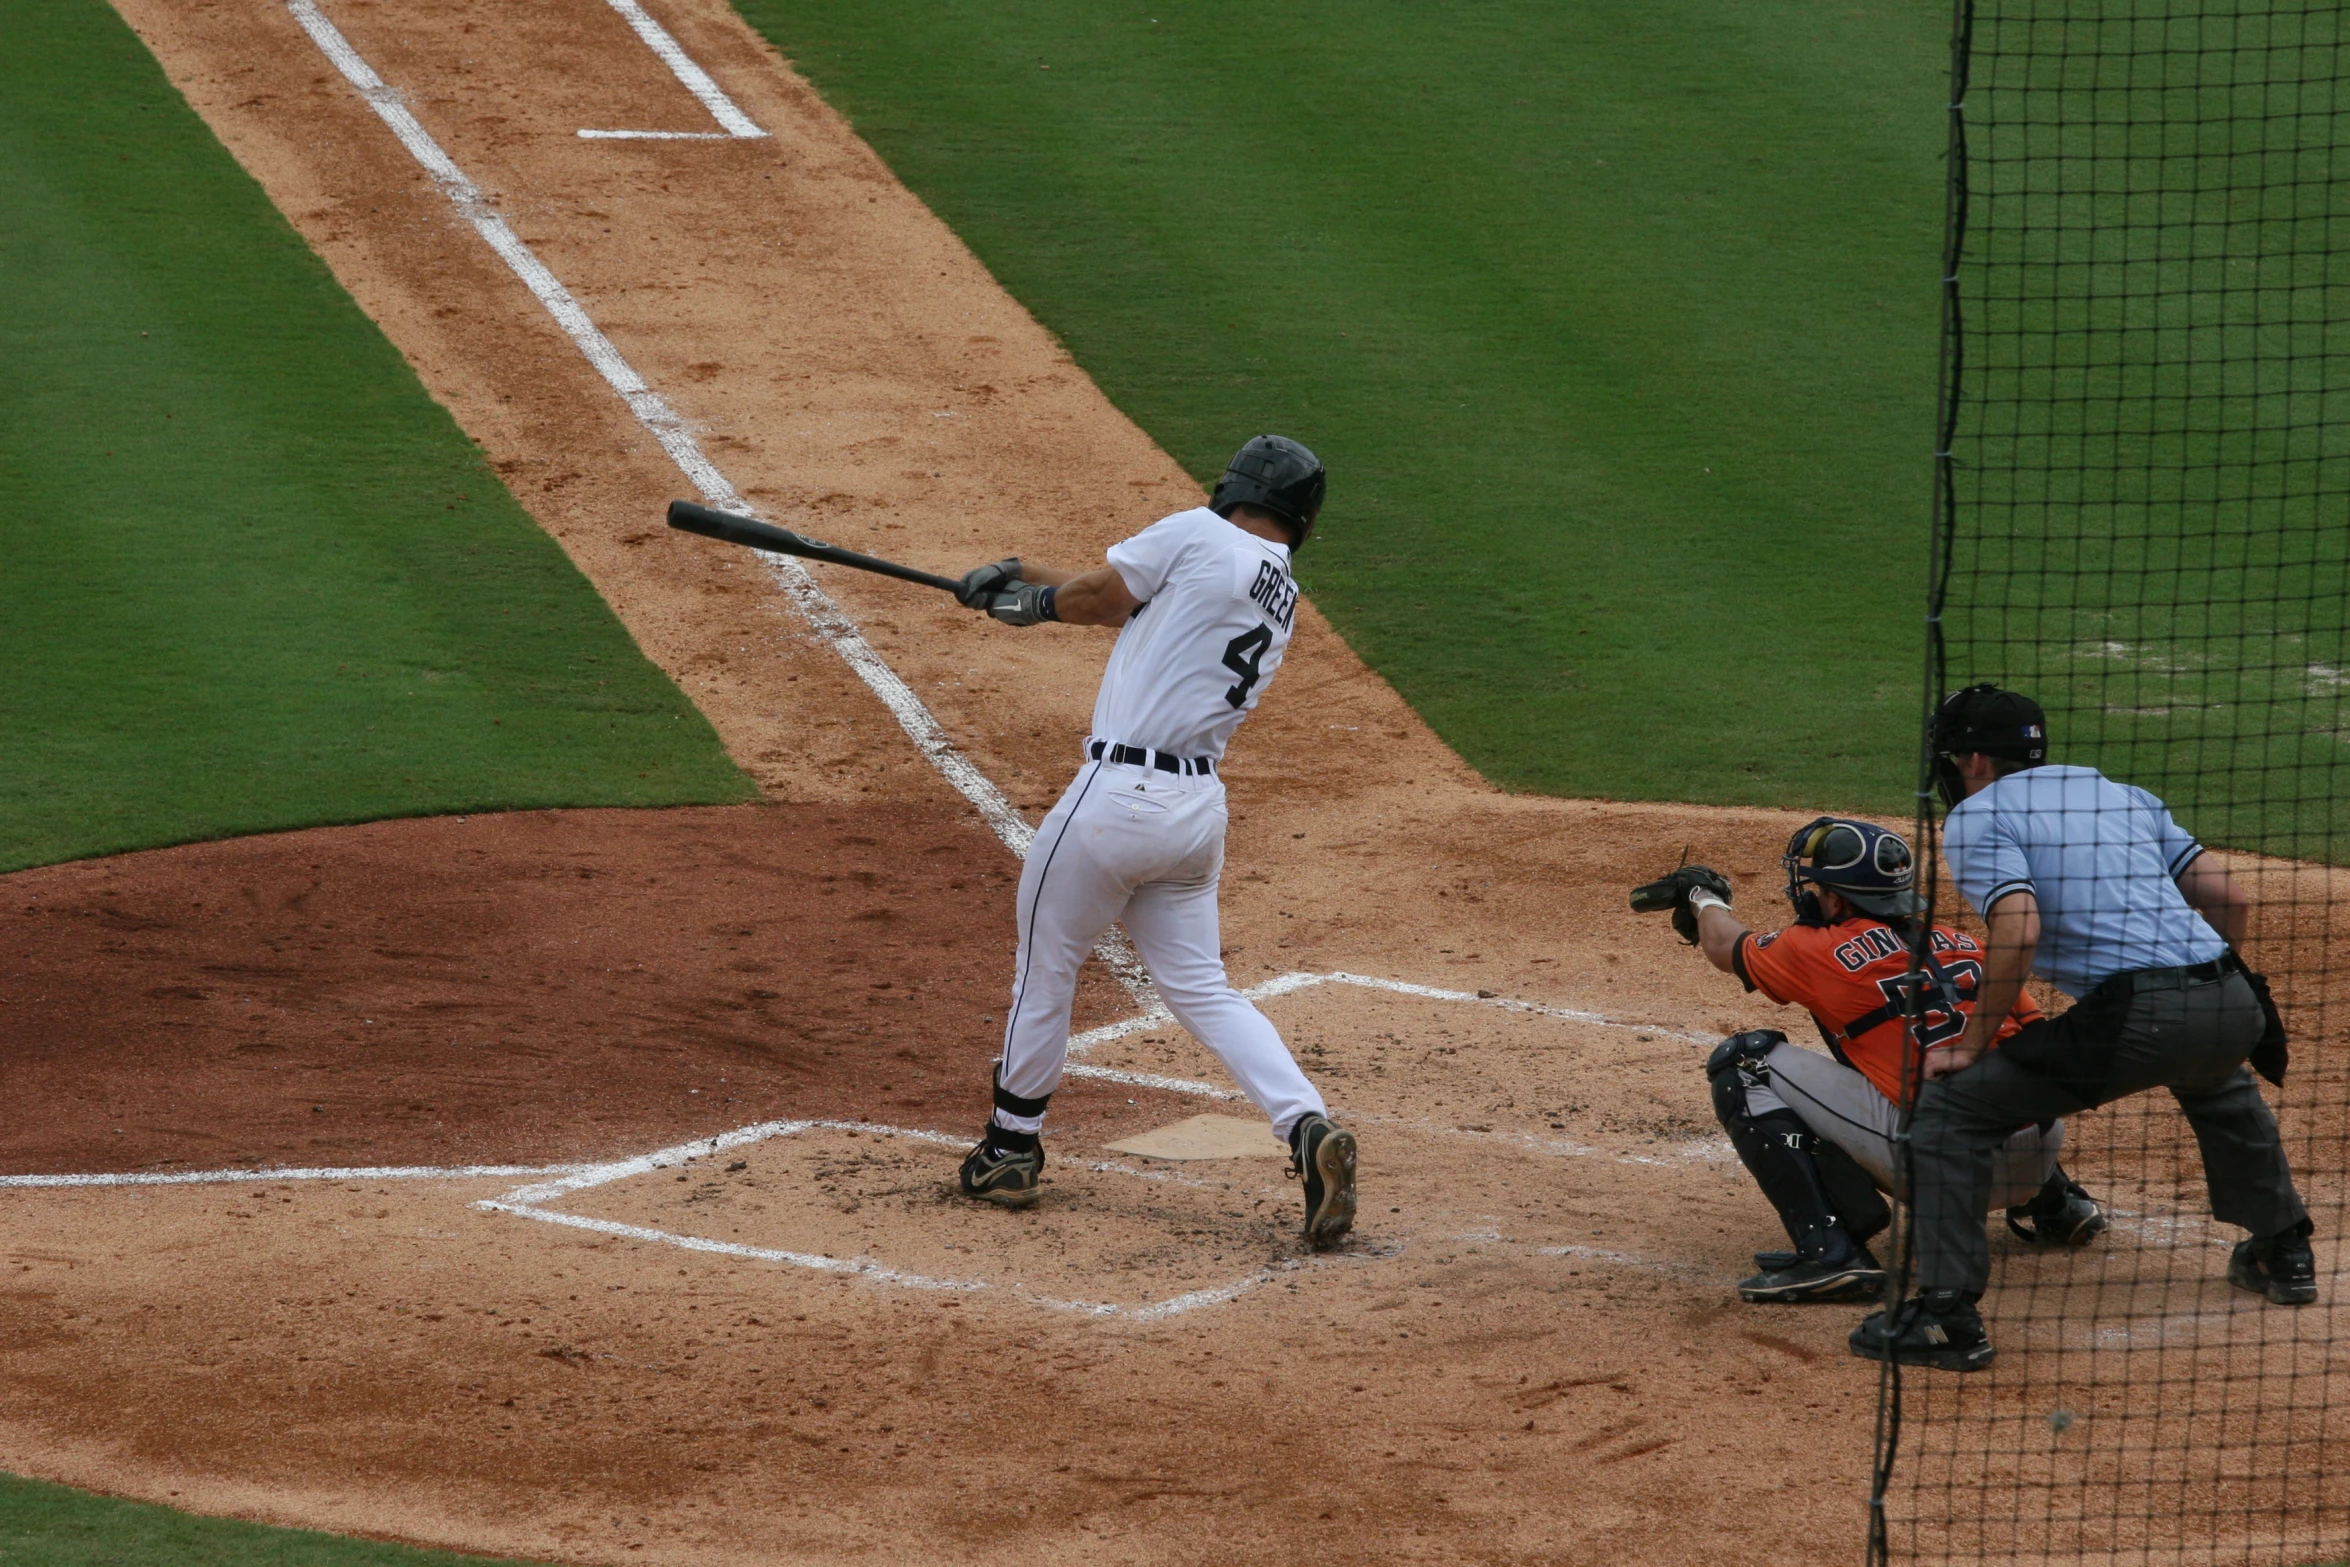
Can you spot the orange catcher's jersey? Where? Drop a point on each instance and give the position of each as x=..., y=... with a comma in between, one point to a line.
x=1858, y=969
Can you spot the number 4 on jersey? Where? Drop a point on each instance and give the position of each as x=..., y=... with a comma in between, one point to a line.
x=1242, y=655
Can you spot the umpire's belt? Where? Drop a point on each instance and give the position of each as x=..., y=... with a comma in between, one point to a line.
x=1144, y=756
x=2120, y=987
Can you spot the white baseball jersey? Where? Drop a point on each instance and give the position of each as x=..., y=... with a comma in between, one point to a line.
x=1218, y=603
x=1131, y=841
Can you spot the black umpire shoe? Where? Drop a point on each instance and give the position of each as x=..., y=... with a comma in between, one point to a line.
x=1940, y=1328
x=2280, y=1266
x=1325, y=1155
x=2060, y=1214
x=1006, y=1168
x=1787, y=1278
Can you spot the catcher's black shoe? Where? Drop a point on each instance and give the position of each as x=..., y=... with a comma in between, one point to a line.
x=2280, y=1266
x=1325, y=1156
x=1795, y=1279
x=1940, y=1328
x=2061, y=1214
x=1006, y=1168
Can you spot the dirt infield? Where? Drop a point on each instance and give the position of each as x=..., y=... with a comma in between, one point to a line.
x=799, y=1348
x=1534, y=1293
x=502, y=989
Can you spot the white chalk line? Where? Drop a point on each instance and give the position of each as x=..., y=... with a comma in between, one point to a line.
x=670, y=430
x=1157, y=1015
x=526, y=1202
x=656, y=136
x=400, y=1172
x=1710, y=1150
x=573, y=1177
x=697, y=81
x=676, y=438
x=1172, y=1085
x=1504, y=1003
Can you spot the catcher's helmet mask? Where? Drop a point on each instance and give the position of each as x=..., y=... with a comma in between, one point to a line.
x=1276, y=474
x=1985, y=720
x=1868, y=867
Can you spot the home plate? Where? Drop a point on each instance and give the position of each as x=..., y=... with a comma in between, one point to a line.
x=1204, y=1137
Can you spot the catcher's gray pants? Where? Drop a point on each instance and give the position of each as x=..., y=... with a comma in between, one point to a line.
x=1838, y=1103
x=2166, y=1031
x=1131, y=843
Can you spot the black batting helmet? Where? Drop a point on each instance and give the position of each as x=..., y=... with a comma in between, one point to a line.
x=1277, y=474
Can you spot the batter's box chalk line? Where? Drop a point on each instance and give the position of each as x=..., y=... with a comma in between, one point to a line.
x=738, y=125
x=1156, y=1015
x=1706, y=1150
x=558, y=1181
x=530, y=1202
x=527, y=1202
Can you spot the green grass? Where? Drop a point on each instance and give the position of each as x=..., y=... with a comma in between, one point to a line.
x=1614, y=321
x=251, y=576
x=2152, y=450
x=50, y=1526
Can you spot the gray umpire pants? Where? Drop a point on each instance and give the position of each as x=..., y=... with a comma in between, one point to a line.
x=2161, y=1030
x=1841, y=1105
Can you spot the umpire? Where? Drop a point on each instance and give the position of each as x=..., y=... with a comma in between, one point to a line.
x=2090, y=885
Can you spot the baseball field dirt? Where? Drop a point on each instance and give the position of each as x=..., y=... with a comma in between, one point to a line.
x=799, y=1347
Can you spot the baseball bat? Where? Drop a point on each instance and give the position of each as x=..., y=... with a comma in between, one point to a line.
x=754, y=534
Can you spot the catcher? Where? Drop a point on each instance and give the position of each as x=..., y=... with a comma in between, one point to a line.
x=1817, y=1131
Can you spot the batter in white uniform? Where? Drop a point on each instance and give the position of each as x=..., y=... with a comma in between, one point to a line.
x=1205, y=601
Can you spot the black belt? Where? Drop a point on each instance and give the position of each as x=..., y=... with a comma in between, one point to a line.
x=1144, y=756
x=2121, y=986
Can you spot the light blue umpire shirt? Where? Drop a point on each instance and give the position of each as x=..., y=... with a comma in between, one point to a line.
x=2103, y=858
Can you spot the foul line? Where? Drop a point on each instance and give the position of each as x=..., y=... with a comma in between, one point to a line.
x=666, y=426
x=697, y=81
x=398, y=1172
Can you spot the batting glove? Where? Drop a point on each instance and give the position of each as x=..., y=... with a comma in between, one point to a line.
x=982, y=583
x=1027, y=604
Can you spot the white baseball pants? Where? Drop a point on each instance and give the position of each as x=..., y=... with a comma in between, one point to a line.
x=1131, y=843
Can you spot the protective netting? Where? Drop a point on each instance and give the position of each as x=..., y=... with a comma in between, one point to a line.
x=2143, y=522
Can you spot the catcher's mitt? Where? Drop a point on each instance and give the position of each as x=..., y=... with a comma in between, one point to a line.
x=1672, y=890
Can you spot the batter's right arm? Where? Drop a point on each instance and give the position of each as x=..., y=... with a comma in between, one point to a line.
x=1098, y=597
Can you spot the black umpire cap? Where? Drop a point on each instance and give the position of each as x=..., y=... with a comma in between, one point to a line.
x=1984, y=718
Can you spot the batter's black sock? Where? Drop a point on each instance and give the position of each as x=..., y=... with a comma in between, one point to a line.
x=1005, y=1139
